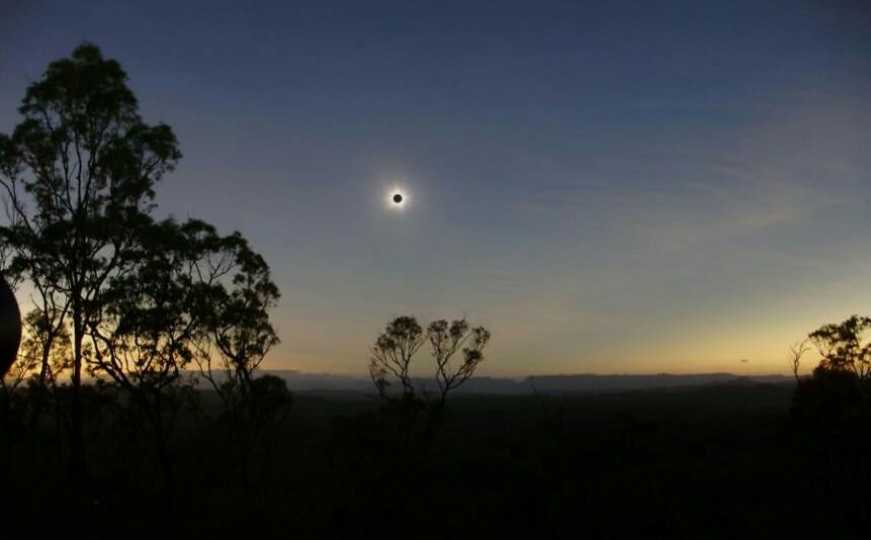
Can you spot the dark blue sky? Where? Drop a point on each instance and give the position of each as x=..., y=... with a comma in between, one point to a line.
x=611, y=187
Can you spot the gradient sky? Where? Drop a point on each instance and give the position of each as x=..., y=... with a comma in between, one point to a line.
x=622, y=188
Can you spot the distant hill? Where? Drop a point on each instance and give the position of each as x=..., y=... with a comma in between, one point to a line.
x=550, y=384
x=610, y=383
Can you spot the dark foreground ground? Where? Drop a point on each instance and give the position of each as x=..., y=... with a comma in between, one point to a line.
x=721, y=461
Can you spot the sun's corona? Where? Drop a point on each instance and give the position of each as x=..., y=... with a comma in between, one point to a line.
x=397, y=198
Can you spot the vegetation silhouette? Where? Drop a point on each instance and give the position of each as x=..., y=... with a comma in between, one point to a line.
x=79, y=173
x=137, y=404
x=138, y=300
x=391, y=364
x=831, y=409
x=836, y=394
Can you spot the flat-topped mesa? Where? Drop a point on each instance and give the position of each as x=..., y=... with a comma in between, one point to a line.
x=10, y=327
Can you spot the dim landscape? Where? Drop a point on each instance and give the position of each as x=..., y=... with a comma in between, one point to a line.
x=435, y=270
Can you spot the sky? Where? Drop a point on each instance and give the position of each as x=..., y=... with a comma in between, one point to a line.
x=620, y=187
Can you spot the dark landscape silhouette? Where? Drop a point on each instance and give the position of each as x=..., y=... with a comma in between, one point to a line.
x=546, y=384
x=138, y=398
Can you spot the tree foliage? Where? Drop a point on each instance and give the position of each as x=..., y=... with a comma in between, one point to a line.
x=449, y=339
x=845, y=346
x=237, y=321
x=236, y=337
x=139, y=299
x=79, y=173
x=392, y=355
x=837, y=392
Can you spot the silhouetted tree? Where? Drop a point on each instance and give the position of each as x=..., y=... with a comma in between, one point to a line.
x=391, y=357
x=49, y=335
x=153, y=315
x=846, y=346
x=796, y=353
x=449, y=339
x=836, y=394
x=39, y=361
x=237, y=337
x=391, y=362
x=48, y=341
x=831, y=407
x=236, y=315
x=79, y=174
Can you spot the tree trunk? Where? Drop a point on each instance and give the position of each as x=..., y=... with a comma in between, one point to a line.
x=39, y=403
x=164, y=457
x=77, y=443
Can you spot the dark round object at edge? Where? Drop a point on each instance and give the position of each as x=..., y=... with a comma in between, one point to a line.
x=10, y=327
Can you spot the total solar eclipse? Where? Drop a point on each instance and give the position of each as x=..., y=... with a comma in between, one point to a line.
x=396, y=199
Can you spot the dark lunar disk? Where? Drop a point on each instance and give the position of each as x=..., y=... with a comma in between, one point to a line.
x=397, y=198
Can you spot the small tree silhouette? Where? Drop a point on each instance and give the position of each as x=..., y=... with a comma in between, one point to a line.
x=45, y=353
x=846, y=346
x=796, y=353
x=392, y=356
x=837, y=391
x=449, y=339
x=237, y=335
